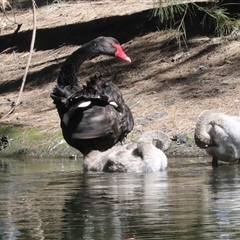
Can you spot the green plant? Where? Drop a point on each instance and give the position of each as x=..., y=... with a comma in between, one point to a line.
x=221, y=18
x=173, y=13
x=169, y=15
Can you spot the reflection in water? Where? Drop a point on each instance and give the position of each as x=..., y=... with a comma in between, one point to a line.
x=223, y=199
x=32, y=194
x=114, y=205
x=54, y=199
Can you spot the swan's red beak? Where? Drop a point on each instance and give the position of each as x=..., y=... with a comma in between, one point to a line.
x=121, y=54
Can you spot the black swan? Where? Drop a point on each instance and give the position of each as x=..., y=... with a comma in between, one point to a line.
x=219, y=135
x=144, y=156
x=93, y=116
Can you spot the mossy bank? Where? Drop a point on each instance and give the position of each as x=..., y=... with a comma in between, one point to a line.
x=33, y=142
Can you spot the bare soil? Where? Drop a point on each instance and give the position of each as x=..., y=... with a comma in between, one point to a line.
x=165, y=86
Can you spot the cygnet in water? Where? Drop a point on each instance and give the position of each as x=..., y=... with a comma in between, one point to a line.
x=144, y=156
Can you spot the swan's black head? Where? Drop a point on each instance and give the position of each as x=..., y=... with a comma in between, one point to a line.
x=110, y=46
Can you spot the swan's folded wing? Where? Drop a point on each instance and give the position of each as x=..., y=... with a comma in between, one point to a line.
x=64, y=95
x=98, y=121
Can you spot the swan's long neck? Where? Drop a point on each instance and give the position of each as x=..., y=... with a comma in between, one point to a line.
x=68, y=72
x=202, y=137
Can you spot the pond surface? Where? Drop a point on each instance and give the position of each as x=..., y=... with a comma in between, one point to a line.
x=54, y=199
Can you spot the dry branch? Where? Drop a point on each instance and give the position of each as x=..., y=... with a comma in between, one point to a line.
x=28, y=63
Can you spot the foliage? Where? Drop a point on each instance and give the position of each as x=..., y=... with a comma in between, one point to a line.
x=173, y=13
x=218, y=13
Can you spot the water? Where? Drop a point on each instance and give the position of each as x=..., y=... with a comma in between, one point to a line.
x=54, y=199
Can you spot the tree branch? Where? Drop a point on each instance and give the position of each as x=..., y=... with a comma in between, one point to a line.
x=28, y=62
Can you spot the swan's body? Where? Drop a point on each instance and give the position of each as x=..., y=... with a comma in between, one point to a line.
x=93, y=116
x=144, y=156
x=219, y=134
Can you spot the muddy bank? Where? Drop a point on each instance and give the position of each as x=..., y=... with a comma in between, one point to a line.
x=35, y=143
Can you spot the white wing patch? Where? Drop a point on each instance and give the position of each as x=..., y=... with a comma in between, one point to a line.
x=84, y=104
x=67, y=115
x=113, y=104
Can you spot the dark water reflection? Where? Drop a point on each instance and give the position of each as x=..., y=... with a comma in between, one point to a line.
x=54, y=199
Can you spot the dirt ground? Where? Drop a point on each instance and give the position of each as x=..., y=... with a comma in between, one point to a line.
x=165, y=87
